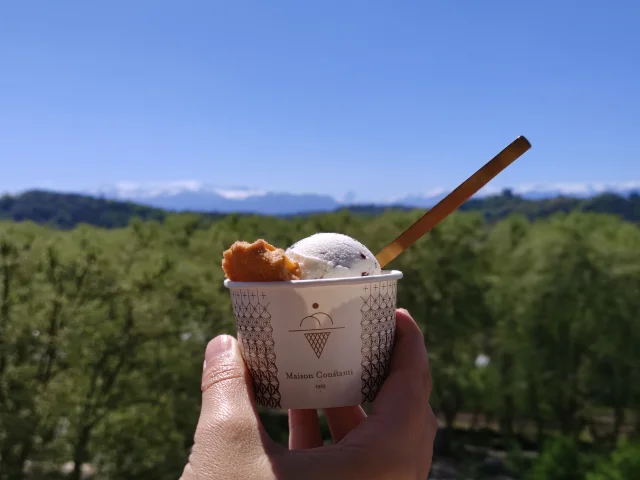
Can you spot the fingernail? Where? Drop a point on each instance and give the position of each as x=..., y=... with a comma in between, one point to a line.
x=216, y=347
x=404, y=310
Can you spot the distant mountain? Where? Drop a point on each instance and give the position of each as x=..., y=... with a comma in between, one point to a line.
x=68, y=210
x=532, y=192
x=199, y=197
x=196, y=197
x=575, y=189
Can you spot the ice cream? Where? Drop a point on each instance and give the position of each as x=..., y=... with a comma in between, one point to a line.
x=323, y=255
x=258, y=262
x=332, y=255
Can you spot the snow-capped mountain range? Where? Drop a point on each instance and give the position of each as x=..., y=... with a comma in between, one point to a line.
x=196, y=196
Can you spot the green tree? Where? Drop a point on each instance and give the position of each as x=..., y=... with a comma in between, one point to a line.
x=561, y=459
x=623, y=464
x=503, y=299
x=555, y=324
x=444, y=287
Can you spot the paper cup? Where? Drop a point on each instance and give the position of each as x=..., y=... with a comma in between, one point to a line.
x=316, y=343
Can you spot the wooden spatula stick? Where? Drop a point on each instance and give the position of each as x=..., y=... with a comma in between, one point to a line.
x=452, y=201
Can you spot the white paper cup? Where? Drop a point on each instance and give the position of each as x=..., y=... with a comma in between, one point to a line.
x=316, y=343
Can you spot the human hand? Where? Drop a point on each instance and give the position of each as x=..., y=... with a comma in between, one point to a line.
x=394, y=442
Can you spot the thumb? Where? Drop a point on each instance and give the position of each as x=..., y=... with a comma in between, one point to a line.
x=229, y=421
x=230, y=441
x=408, y=386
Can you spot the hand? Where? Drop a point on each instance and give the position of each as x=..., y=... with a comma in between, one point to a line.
x=394, y=442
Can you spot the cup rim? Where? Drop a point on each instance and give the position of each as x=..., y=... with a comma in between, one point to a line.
x=322, y=282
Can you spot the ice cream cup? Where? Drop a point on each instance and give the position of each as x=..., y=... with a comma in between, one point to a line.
x=316, y=343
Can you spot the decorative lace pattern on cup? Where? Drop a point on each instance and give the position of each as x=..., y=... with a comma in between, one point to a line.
x=255, y=336
x=378, y=333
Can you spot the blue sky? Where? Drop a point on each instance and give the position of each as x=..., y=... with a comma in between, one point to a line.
x=375, y=97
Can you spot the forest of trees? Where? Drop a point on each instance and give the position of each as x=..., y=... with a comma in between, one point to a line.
x=102, y=334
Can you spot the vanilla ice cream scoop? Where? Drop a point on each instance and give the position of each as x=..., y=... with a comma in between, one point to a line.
x=333, y=255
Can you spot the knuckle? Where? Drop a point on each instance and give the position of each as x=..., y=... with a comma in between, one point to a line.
x=222, y=430
x=236, y=430
x=222, y=372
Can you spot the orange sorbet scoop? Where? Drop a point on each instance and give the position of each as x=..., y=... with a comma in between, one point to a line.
x=258, y=262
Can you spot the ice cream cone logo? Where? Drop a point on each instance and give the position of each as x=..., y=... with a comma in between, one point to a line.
x=317, y=340
x=317, y=328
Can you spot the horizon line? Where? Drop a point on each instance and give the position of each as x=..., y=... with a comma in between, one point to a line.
x=150, y=190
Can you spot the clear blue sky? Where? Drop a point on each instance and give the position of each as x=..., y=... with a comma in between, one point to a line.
x=375, y=97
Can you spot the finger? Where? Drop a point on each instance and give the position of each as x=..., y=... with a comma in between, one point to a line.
x=425, y=454
x=228, y=417
x=304, y=429
x=342, y=420
x=408, y=385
